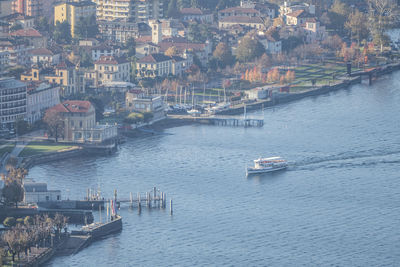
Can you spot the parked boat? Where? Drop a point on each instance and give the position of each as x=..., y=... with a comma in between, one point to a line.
x=263, y=165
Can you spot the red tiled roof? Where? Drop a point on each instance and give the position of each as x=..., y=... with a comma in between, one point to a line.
x=299, y=14
x=242, y=19
x=26, y=33
x=41, y=51
x=72, y=106
x=144, y=39
x=65, y=65
x=111, y=60
x=154, y=58
x=191, y=11
x=240, y=9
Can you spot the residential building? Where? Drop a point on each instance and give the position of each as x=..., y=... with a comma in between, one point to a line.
x=18, y=51
x=266, y=9
x=298, y=17
x=238, y=12
x=143, y=103
x=131, y=10
x=25, y=21
x=314, y=31
x=114, y=9
x=41, y=96
x=4, y=29
x=148, y=9
x=65, y=74
x=251, y=22
x=31, y=36
x=80, y=123
x=144, y=49
x=37, y=192
x=104, y=50
x=118, y=30
x=171, y=27
x=112, y=69
x=4, y=61
x=44, y=56
x=154, y=65
x=33, y=8
x=271, y=44
x=70, y=79
x=12, y=101
x=196, y=14
x=202, y=51
x=72, y=12
x=289, y=7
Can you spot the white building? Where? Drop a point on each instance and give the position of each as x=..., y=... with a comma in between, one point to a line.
x=41, y=96
x=37, y=192
x=104, y=50
x=44, y=56
x=112, y=69
x=12, y=101
x=142, y=104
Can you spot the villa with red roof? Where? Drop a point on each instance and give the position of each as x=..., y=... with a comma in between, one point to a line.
x=80, y=123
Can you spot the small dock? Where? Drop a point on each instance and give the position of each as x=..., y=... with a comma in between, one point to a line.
x=229, y=121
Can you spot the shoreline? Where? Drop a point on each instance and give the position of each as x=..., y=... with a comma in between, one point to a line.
x=158, y=127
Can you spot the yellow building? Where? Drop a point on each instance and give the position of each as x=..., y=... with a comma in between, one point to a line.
x=73, y=11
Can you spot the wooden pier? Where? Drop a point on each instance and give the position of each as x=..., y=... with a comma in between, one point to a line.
x=236, y=122
x=152, y=199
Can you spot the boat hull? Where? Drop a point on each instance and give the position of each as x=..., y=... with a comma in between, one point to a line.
x=266, y=170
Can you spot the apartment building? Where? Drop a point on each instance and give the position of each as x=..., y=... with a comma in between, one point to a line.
x=131, y=10
x=41, y=96
x=73, y=11
x=12, y=101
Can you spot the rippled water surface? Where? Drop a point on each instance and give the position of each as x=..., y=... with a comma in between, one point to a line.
x=337, y=205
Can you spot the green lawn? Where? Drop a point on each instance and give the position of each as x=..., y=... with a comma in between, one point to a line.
x=40, y=148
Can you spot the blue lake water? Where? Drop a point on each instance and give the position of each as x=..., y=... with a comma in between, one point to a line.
x=337, y=205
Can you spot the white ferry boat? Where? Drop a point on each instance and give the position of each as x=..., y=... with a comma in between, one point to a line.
x=263, y=165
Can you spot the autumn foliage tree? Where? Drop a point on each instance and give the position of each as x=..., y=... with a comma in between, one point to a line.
x=223, y=55
x=55, y=123
x=13, y=191
x=171, y=51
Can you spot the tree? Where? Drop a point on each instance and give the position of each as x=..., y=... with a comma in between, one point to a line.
x=357, y=25
x=86, y=27
x=59, y=223
x=199, y=32
x=223, y=54
x=131, y=46
x=16, y=71
x=172, y=10
x=55, y=123
x=13, y=191
x=9, y=222
x=171, y=51
x=249, y=49
x=338, y=15
x=382, y=15
x=42, y=24
x=22, y=126
x=62, y=32
x=85, y=59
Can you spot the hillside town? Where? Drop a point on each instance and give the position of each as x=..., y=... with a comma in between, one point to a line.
x=80, y=75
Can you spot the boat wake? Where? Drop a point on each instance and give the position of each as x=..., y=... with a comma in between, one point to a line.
x=347, y=160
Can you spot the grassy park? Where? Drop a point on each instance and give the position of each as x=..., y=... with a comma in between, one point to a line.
x=36, y=148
